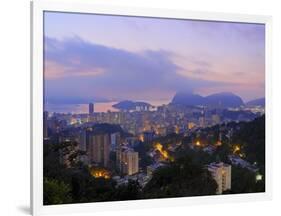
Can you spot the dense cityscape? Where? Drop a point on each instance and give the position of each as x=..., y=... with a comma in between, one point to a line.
x=147, y=108
x=135, y=153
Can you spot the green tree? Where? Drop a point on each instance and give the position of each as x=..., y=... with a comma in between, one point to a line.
x=56, y=192
x=179, y=179
x=244, y=181
x=130, y=191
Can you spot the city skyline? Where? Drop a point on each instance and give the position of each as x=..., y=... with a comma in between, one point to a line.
x=101, y=57
x=147, y=108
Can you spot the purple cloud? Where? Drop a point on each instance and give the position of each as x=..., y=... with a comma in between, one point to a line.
x=79, y=70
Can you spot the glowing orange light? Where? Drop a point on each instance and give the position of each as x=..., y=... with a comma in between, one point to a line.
x=190, y=125
x=219, y=143
x=163, y=152
x=198, y=143
x=100, y=173
x=141, y=138
x=177, y=130
x=236, y=149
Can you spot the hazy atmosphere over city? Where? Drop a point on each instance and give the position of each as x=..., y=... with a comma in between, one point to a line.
x=100, y=58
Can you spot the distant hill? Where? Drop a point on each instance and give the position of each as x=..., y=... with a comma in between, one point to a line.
x=224, y=99
x=188, y=99
x=252, y=134
x=131, y=105
x=256, y=102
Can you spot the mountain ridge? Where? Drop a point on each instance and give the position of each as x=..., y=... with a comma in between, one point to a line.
x=256, y=102
x=130, y=105
x=222, y=99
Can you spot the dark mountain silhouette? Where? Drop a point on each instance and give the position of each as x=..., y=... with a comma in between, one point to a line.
x=256, y=102
x=224, y=99
x=188, y=99
x=130, y=105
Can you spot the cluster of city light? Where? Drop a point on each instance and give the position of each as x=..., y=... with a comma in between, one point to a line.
x=258, y=177
x=99, y=172
x=141, y=137
x=177, y=129
x=158, y=146
x=236, y=149
x=218, y=143
x=73, y=121
x=198, y=143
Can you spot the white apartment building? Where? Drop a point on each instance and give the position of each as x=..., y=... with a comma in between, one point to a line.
x=221, y=173
x=128, y=161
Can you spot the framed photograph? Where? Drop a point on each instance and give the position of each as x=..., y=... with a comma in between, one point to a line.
x=139, y=107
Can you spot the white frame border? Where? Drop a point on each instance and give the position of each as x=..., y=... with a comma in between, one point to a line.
x=37, y=9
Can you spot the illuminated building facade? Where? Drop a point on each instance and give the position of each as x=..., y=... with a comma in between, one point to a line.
x=131, y=162
x=128, y=161
x=202, y=121
x=216, y=119
x=221, y=173
x=99, y=149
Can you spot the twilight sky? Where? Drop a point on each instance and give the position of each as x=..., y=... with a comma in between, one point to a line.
x=98, y=57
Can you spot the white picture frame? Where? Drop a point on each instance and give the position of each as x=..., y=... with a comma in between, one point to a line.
x=38, y=7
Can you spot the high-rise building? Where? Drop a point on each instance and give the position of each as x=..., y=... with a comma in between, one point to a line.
x=91, y=108
x=131, y=162
x=216, y=119
x=202, y=122
x=221, y=173
x=83, y=140
x=120, y=117
x=45, y=124
x=99, y=149
x=115, y=139
x=83, y=144
x=127, y=161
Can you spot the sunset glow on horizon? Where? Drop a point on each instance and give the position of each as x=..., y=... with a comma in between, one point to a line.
x=92, y=57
